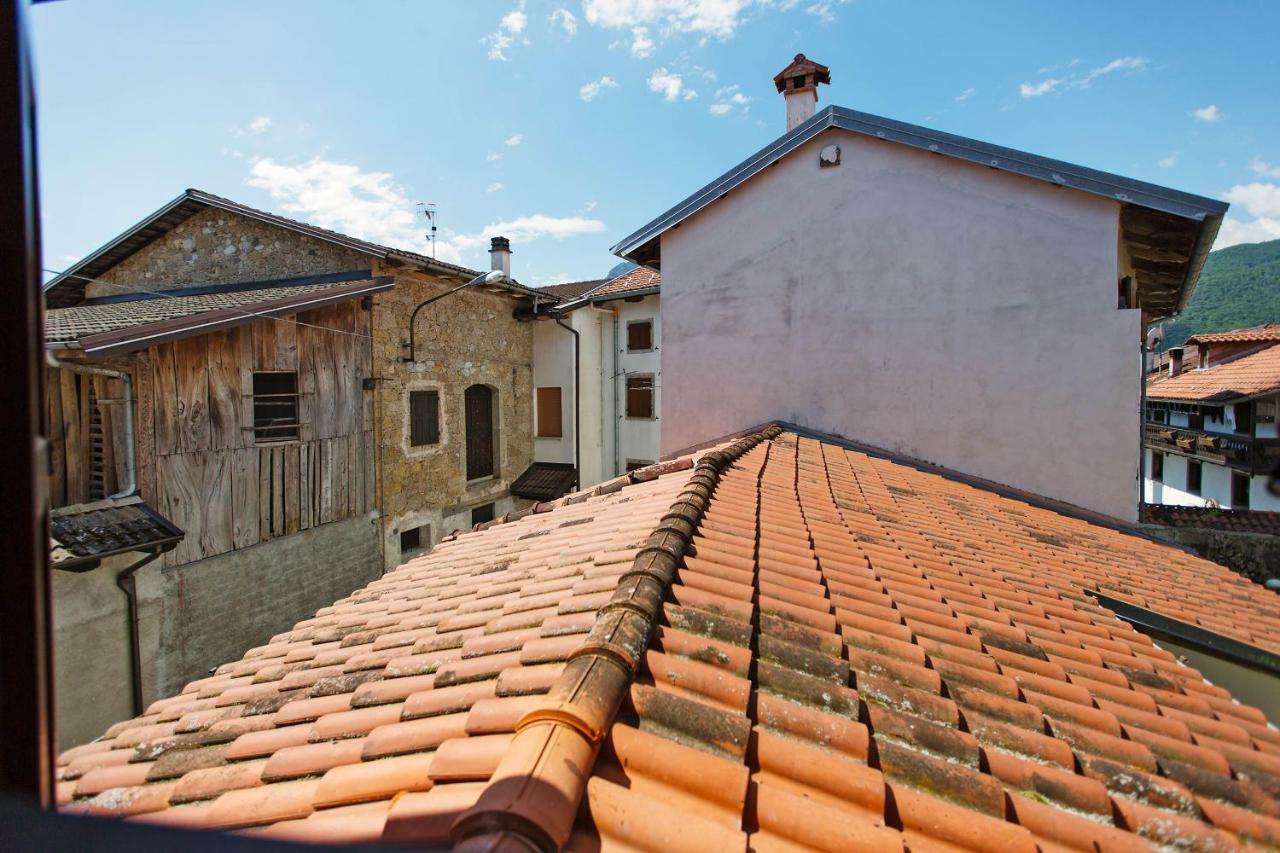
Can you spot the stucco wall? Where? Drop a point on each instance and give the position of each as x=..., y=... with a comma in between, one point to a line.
x=953, y=313
x=638, y=438
x=192, y=617
x=217, y=247
x=468, y=338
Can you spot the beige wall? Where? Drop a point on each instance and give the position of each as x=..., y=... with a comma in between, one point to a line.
x=464, y=339
x=934, y=308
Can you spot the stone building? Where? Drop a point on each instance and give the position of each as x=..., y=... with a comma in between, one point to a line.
x=214, y=312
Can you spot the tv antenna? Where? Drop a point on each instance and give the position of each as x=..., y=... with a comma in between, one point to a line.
x=430, y=212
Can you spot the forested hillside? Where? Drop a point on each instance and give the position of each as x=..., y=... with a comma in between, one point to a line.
x=1238, y=287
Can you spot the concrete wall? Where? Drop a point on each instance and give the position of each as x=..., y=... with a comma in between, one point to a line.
x=192, y=617
x=939, y=309
x=216, y=247
x=465, y=339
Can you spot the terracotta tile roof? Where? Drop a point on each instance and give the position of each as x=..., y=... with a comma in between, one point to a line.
x=1266, y=332
x=572, y=289
x=1235, y=520
x=640, y=278
x=1247, y=375
x=845, y=652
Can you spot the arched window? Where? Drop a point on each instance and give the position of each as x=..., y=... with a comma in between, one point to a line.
x=480, y=431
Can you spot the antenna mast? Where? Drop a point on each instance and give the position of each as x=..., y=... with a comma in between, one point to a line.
x=429, y=211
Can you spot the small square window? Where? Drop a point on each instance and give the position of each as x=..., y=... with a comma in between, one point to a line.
x=640, y=336
x=1193, y=477
x=481, y=514
x=275, y=407
x=413, y=539
x=1157, y=467
x=640, y=397
x=424, y=418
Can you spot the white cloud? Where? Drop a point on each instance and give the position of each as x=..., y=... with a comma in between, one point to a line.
x=343, y=197
x=966, y=95
x=565, y=19
x=588, y=206
x=494, y=156
x=526, y=229
x=1209, y=114
x=1168, y=162
x=1260, y=200
x=715, y=18
x=670, y=85
x=1082, y=81
x=641, y=44
x=493, y=187
x=590, y=90
x=727, y=98
x=510, y=27
x=1264, y=168
x=513, y=140
x=260, y=124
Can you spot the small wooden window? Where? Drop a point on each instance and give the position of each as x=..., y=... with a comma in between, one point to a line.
x=550, y=423
x=640, y=396
x=1157, y=466
x=275, y=407
x=1239, y=490
x=480, y=432
x=411, y=539
x=481, y=514
x=424, y=418
x=1193, y=477
x=640, y=336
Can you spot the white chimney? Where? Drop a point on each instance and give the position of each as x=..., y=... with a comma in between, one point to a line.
x=798, y=83
x=500, y=255
x=1175, y=361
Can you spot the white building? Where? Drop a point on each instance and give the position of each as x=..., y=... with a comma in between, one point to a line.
x=1211, y=432
x=915, y=291
x=607, y=420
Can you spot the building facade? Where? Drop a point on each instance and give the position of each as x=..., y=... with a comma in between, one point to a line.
x=1211, y=436
x=915, y=291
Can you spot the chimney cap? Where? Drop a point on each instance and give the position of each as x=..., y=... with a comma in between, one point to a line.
x=802, y=66
x=499, y=244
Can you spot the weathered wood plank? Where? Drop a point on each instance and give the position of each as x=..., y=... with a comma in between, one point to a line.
x=307, y=403
x=326, y=480
x=292, y=484
x=108, y=392
x=225, y=401
x=145, y=426
x=244, y=498
x=165, y=400
x=57, y=441
x=304, y=486
x=264, y=493
x=278, y=527
x=191, y=363
x=327, y=402
x=218, y=533
x=77, y=450
x=181, y=477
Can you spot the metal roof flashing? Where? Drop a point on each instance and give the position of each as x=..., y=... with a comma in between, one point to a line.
x=643, y=246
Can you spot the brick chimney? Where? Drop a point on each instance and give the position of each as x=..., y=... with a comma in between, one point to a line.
x=500, y=255
x=798, y=83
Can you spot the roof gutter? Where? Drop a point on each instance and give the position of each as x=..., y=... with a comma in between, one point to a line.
x=130, y=486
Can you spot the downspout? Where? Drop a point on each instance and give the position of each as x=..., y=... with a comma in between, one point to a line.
x=130, y=485
x=1142, y=432
x=577, y=408
x=128, y=584
x=617, y=408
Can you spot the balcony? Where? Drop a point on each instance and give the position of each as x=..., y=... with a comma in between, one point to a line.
x=1239, y=452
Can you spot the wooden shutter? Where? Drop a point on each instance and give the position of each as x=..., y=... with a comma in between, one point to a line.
x=478, y=400
x=424, y=418
x=550, y=424
x=639, y=396
x=640, y=336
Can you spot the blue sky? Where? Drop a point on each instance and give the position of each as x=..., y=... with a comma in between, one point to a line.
x=568, y=124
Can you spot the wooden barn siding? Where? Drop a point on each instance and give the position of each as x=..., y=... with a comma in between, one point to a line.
x=77, y=435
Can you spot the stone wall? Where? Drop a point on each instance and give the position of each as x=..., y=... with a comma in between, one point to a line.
x=217, y=247
x=1254, y=555
x=192, y=617
x=465, y=339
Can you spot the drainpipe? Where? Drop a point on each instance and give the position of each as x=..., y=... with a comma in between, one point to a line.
x=1142, y=433
x=130, y=485
x=577, y=417
x=128, y=584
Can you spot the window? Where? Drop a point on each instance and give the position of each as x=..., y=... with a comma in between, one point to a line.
x=640, y=336
x=1195, y=421
x=1157, y=466
x=549, y=415
x=1244, y=418
x=1239, y=490
x=481, y=514
x=1160, y=416
x=634, y=464
x=478, y=400
x=413, y=539
x=275, y=407
x=1193, y=477
x=424, y=418
x=640, y=397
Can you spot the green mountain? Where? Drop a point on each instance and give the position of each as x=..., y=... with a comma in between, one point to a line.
x=1238, y=287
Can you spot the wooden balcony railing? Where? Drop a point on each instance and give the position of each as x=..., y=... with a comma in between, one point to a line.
x=1242, y=452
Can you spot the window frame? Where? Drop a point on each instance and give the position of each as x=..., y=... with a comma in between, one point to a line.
x=635, y=323
x=259, y=440
x=653, y=396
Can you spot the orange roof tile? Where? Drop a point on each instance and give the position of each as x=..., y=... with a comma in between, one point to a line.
x=1266, y=332
x=793, y=644
x=1248, y=375
x=640, y=278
